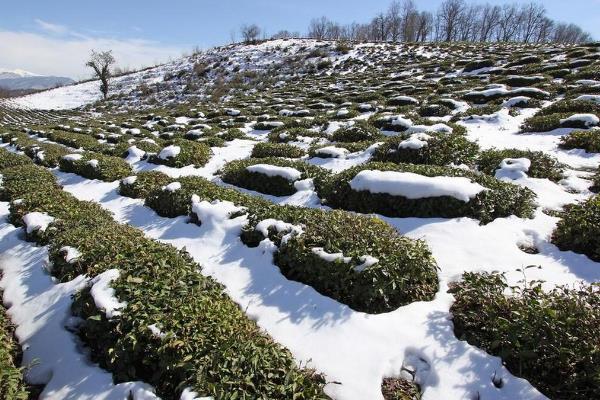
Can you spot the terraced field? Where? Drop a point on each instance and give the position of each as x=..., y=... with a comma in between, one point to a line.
x=304, y=219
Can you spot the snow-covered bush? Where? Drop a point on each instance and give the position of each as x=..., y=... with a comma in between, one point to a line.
x=140, y=185
x=264, y=150
x=434, y=110
x=408, y=190
x=579, y=228
x=200, y=322
x=46, y=154
x=357, y=132
x=434, y=148
x=95, y=166
x=337, y=150
x=549, y=338
x=478, y=64
x=542, y=165
x=285, y=135
x=181, y=153
x=274, y=176
x=360, y=261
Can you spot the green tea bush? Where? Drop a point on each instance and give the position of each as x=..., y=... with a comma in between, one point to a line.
x=8, y=159
x=500, y=200
x=209, y=344
x=579, y=228
x=191, y=153
x=358, y=132
x=352, y=147
x=441, y=149
x=542, y=165
x=549, y=338
x=265, y=150
x=96, y=166
x=543, y=123
x=12, y=384
x=588, y=140
x=286, y=135
x=405, y=270
x=236, y=173
x=478, y=64
x=143, y=183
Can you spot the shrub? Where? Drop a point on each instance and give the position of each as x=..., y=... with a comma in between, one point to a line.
x=209, y=344
x=579, y=228
x=543, y=123
x=434, y=110
x=265, y=150
x=352, y=147
x=405, y=270
x=549, y=338
x=12, y=385
x=8, y=159
x=46, y=154
x=96, y=166
x=441, y=149
x=500, y=200
x=570, y=107
x=190, y=153
x=588, y=140
x=596, y=182
x=236, y=173
x=177, y=203
x=478, y=64
x=542, y=165
x=285, y=135
x=359, y=131
x=142, y=184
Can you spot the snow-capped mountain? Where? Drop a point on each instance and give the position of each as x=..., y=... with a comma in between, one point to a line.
x=24, y=80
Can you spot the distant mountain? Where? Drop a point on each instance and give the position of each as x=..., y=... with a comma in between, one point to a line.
x=24, y=80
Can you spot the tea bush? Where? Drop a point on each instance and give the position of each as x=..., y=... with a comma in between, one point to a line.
x=191, y=153
x=236, y=173
x=500, y=200
x=96, y=166
x=579, y=228
x=542, y=165
x=266, y=150
x=358, y=132
x=441, y=149
x=143, y=183
x=12, y=385
x=549, y=338
x=587, y=140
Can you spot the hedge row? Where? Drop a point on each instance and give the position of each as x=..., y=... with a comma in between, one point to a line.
x=208, y=344
x=586, y=140
x=579, y=228
x=542, y=165
x=236, y=173
x=441, y=149
x=12, y=385
x=405, y=272
x=501, y=200
x=46, y=154
x=191, y=153
x=549, y=338
x=265, y=150
x=96, y=166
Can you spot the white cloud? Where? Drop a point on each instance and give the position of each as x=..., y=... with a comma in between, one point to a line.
x=60, y=51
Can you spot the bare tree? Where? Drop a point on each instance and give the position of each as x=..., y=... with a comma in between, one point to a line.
x=394, y=21
x=449, y=14
x=490, y=19
x=508, y=24
x=408, y=14
x=100, y=62
x=424, y=25
x=318, y=28
x=250, y=33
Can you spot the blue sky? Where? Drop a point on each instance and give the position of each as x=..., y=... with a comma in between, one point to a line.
x=54, y=37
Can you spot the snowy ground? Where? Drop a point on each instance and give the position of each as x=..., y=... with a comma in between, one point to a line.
x=354, y=350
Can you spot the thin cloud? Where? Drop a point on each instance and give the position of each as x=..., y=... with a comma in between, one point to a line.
x=66, y=55
x=51, y=28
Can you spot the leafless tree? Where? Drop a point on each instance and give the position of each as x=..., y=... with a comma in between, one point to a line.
x=318, y=28
x=424, y=25
x=531, y=16
x=250, y=33
x=508, y=24
x=449, y=14
x=101, y=62
x=490, y=19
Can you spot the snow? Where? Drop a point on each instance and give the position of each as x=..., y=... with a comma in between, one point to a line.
x=37, y=221
x=172, y=187
x=587, y=119
x=130, y=180
x=516, y=100
x=513, y=168
x=367, y=261
x=171, y=151
x=134, y=154
x=330, y=257
x=589, y=97
x=332, y=151
x=73, y=157
x=289, y=173
x=41, y=311
x=415, y=186
x=104, y=295
x=93, y=163
x=415, y=142
x=71, y=254
x=280, y=226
